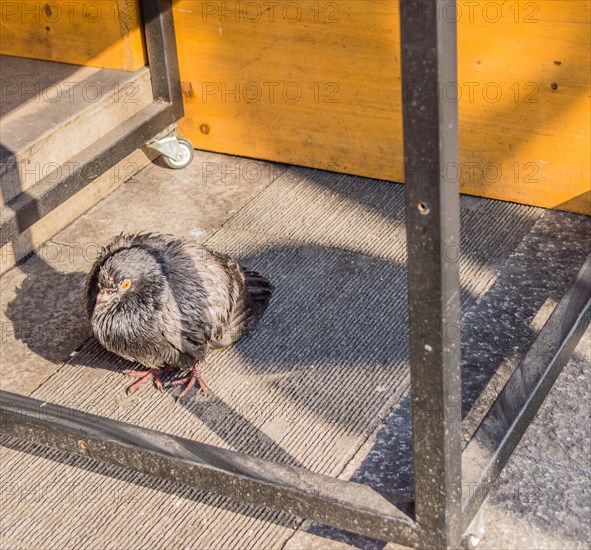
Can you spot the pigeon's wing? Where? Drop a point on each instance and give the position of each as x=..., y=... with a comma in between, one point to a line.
x=248, y=296
x=188, y=342
x=234, y=323
x=208, y=296
x=199, y=298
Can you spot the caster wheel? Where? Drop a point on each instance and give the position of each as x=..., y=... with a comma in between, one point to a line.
x=184, y=155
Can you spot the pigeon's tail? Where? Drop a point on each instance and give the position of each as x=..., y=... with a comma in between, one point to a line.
x=260, y=290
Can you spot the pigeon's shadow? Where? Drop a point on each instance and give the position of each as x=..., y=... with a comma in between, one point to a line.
x=46, y=312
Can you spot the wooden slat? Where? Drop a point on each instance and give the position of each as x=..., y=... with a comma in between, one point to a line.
x=104, y=34
x=342, y=65
x=535, y=137
x=243, y=71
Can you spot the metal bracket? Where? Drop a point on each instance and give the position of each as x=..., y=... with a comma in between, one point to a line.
x=167, y=146
x=177, y=152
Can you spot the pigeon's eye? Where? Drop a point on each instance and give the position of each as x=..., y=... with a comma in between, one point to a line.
x=125, y=284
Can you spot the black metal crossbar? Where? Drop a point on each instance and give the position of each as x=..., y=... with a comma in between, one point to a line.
x=508, y=418
x=450, y=484
x=237, y=475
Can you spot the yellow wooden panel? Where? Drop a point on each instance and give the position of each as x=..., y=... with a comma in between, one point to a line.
x=318, y=84
x=323, y=91
x=524, y=132
x=105, y=34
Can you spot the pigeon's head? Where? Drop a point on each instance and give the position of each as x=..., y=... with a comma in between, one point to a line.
x=133, y=275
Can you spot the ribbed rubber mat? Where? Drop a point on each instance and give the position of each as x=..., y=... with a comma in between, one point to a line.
x=308, y=387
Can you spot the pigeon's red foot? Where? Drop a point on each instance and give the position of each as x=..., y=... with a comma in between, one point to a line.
x=144, y=377
x=194, y=376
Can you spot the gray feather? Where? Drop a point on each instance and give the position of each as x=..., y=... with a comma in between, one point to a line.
x=184, y=299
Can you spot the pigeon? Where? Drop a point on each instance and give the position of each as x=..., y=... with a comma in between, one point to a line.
x=164, y=302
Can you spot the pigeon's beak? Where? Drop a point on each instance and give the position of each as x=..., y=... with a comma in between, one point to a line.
x=102, y=297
